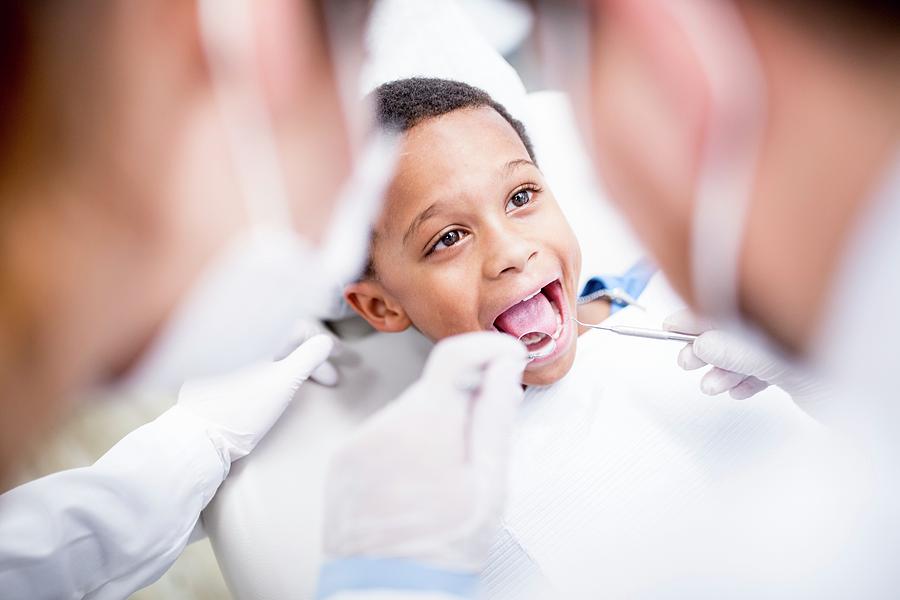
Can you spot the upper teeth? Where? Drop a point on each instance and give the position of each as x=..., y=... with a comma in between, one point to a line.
x=531, y=296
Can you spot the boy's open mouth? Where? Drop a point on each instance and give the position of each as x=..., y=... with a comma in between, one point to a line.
x=544, y=311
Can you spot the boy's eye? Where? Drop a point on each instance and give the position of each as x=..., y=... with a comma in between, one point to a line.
x=448, y=239
x=518, y=200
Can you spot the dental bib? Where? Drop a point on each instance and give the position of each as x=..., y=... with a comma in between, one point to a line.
x=626, y=481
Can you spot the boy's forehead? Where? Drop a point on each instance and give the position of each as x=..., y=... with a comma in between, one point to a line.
x=460, y=153
x=462, y=134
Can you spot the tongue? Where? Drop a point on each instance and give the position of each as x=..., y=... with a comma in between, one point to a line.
x=525, y=317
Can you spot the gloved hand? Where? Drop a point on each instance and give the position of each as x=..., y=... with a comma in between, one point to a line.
x=325, y=374
x=738, y=366
x=237, y=410
x=425, y=478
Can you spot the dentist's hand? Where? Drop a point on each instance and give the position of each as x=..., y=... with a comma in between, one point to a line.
x=237, y=410
x=739, y=367
x=327, y=373
x=425, y=478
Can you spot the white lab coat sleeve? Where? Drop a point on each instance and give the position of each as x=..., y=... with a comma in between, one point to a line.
x=110, y=529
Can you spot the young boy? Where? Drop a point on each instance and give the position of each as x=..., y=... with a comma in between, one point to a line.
x=623, y=477
x=471, y=237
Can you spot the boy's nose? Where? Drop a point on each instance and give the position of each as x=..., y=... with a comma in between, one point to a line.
x=508, y=254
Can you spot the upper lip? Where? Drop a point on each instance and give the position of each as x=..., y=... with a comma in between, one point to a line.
x=522, y=291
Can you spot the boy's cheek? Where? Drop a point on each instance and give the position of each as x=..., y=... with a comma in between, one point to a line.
x=577, y=255
x=441, y=319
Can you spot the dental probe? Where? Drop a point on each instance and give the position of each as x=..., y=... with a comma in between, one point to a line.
x=643, y=332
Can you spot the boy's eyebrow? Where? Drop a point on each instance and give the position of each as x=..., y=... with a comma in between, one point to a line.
x=429, y=212
x=417, y=222
x=515, y=164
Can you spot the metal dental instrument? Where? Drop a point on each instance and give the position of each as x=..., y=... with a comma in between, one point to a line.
x=545, y=350
x=643, y=332
x=471, y=382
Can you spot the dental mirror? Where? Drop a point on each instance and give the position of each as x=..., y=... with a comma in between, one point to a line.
x=539, y=345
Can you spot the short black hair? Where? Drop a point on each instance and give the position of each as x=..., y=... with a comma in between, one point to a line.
x=402, y=104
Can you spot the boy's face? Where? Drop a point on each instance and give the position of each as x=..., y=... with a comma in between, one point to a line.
x=469, y=231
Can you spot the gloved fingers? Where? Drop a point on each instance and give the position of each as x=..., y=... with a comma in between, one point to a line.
x=495, y=407
x=727, y=351
x=719, y=380
x=260, y=378
x=307, y=358
x=238, y=409
x=305, y=329
x=326, y=374
x=689, y=361
x=686, y=321
x=458, y=359
x=747, y=388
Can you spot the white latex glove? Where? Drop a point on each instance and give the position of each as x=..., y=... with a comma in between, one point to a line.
x=327, y=373
x=739, y=366
x=425, y=478
x=238, y=409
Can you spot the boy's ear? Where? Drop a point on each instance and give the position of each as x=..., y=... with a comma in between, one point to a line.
x=375, y=305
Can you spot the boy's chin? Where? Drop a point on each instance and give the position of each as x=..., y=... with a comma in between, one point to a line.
x=551, y=372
